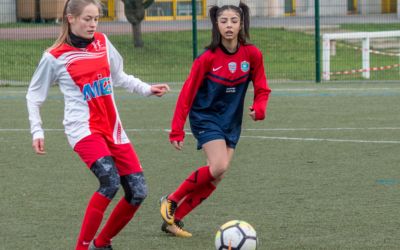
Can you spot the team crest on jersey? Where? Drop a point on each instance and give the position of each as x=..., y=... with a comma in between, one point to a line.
x=100, y=87
x=232, y=67
x=97, y=45
x=245, y=66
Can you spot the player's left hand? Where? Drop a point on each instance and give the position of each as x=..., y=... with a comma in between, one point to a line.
x=177, y=144
x=252, y=113
x=159, y=89
x=38, y=146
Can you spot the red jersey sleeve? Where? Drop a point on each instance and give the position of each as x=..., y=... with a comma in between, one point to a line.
x=187, y=95
x=261, y=89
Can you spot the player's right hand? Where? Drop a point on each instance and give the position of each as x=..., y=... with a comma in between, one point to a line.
x=38, y=146
x=252, y=113
x=159, y=89
x=177, y=144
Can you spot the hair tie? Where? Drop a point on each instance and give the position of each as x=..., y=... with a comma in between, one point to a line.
x=221, y=3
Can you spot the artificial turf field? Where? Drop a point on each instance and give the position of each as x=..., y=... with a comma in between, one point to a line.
x=321, y=172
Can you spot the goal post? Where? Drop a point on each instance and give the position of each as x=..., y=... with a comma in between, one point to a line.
x=365, y=37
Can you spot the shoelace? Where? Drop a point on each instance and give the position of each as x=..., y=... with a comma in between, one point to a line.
x=179, y=224
x=172, y=207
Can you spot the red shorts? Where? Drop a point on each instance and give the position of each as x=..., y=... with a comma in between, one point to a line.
x=95, y=146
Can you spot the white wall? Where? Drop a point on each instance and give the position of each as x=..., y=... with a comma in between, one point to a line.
x=326, y=8
x=333, y=8
x=275, y=8
x=119, y=11
x=8, y=11
x=370, y=7
x=256, y=6
x=262, y=10
x=398, y=8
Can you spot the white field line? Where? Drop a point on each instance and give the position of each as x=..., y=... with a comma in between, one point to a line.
x=245, y=129
x=62, y=130
x=334, y=89
x=5, y=91
x=265, y=137
x=319, y=129
x=319, y=139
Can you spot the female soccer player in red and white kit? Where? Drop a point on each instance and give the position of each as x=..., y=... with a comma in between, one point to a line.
x=87, y=66
x=213, y=97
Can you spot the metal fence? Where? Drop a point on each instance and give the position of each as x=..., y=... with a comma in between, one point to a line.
x=284, y=30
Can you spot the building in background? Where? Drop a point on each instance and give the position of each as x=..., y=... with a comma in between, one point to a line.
x=8, y=11
x=31, y=10
x=181, y=9
x=175, y=9
x=178, y=9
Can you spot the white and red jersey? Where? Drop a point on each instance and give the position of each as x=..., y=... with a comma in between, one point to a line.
x=86, y=78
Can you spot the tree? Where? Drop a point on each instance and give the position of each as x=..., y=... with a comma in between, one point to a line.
x=134, y=12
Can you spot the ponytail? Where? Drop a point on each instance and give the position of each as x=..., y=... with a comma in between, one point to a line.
x=245, y=22
x=215, y=34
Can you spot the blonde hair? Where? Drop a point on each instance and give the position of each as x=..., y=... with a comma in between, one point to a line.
x=74, y=8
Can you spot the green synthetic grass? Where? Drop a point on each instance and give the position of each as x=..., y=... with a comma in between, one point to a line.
x=170, y=54
x=167, y=56
x=348, y=58
x=321, y=172
x=371, y=26
x=26, y=25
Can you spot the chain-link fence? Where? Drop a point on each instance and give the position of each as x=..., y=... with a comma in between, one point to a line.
x=283, y=29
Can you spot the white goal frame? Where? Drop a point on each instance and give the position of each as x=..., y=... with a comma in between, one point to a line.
x=328, y=38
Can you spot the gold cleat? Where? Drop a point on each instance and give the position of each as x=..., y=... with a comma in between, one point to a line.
x=176, y=229
x=167, y=210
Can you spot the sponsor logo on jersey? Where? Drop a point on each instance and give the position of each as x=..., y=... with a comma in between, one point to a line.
x=245, y=66
x=230, y=90
x=217, y=68
x=232, y=67
x=100, y=87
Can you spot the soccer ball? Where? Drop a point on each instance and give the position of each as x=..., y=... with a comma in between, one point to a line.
x=236, y=235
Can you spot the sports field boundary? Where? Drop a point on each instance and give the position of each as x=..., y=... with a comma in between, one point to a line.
x=121, y=27
x=282, y=138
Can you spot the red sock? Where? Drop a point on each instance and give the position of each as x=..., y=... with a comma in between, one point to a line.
x=92, y=220
x=120, y=216
x=196, y=179
x=194, y=199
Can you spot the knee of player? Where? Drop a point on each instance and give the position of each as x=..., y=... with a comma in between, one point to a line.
x=135, y=188
x=219, y=168
x=109, y=185
x=107, y=174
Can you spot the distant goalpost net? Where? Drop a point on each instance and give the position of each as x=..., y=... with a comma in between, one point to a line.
x=329, y=49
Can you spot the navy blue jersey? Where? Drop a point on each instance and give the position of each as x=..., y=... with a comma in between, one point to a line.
x=214, y=93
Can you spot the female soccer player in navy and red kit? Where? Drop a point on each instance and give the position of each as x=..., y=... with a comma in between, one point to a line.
x=87, y=67
x=213, y=97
